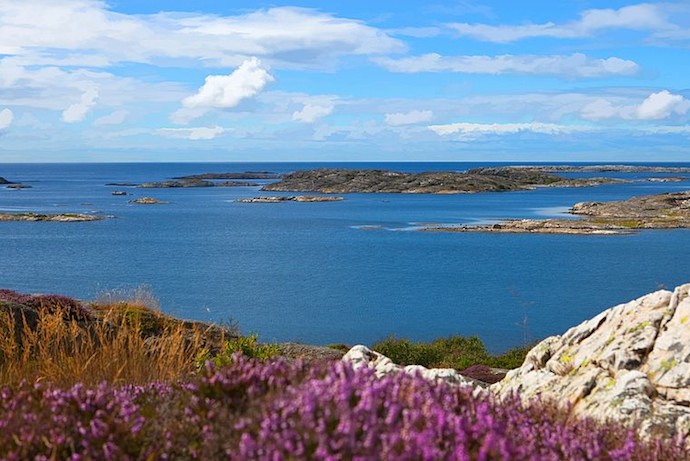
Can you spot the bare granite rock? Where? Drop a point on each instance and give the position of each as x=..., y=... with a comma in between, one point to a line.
x=61, y=217
x=361, y=356
x=629, y=364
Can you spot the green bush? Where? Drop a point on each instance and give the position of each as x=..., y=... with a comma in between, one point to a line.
x=247, y=345
x=457, y=352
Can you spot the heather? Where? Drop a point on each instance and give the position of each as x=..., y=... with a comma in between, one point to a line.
x=456, y=351
x=275, y=410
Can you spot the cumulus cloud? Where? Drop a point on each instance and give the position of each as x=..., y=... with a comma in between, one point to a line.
x=195, y=134
x=114, y=118
x=574, y=65
x=6, y=117
x=656, y=106
x=225, y=91
x=310, y=113
x=644, y=16
x=662, y=105
x=479, y=129
x=77, y=111
x=408, y=118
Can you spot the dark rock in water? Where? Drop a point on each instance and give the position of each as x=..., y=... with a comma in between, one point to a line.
x=193, y=182
x=5, y=181
x=342, y=181
x=118, y=192
x=62, y=217
x=18, y=186
x=294, y=198
x=244, y=175
x=122, y=184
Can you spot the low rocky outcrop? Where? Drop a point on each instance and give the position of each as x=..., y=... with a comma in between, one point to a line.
x=18, y=186
x=148, y=201
x=341, y=181
x=293, y=198
x=662, y=211
x=242, y=175
x=60, y=217
x=604, y=168
x=630, y=364
x=193, y=182
x=5, y=181
x=361, y=356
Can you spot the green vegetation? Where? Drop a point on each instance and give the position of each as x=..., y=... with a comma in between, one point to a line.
x=457, y=352
x=248, y=346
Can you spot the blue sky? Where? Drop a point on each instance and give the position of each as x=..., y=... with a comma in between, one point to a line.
x=124, y=80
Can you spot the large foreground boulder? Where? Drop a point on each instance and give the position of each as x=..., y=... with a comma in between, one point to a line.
x=629, y=364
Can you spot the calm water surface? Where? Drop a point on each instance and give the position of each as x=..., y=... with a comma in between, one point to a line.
x=308, y=271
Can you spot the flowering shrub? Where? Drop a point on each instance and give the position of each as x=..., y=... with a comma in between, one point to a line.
x=50, y=303
x=275, y=410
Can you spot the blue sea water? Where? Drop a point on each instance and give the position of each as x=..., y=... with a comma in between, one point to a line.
x=316, y=272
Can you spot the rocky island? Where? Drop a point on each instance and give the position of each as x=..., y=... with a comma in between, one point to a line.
x=148, y=201
x=59, y=217
x=662, y=211
x=294, y=198
x=193, y=182
x=604, y=168
x=243, y=175
x=342, y=181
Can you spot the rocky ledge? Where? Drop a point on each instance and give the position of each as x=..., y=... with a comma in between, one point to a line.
x=604, y=169
x=193, y=182
x=629, y=364
x=243, y=175
x=341, y=181
x=61, y=217
x=293, y=198
x=148, y=201
x=663, y=211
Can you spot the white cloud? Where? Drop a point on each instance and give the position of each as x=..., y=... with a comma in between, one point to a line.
x=600, y=109
x=408, y=118
x=479, y=129
x=574, y=65
x=195, y=134
x=114, y=118
x=312, y=112
x=225, y=91
x=77, y=111
x=662, y=105
x=644, y=16
x=37, y=28
x=656, y=106
x=6, y=117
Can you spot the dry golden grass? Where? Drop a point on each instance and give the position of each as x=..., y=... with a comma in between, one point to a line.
x=128, y=342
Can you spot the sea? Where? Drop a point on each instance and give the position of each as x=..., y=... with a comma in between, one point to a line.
x=349, y=272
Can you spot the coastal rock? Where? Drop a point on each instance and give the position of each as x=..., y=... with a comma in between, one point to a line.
x=242, y=175
x=193, y=182
x=18, y=186
x=361, y=356
x=5, y=181
x=662, y=211
x=148, y=201
x=629, y=364
x=61, y=217
x=294, y=198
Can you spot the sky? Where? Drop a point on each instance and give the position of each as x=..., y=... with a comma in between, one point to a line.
x=375, y=80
